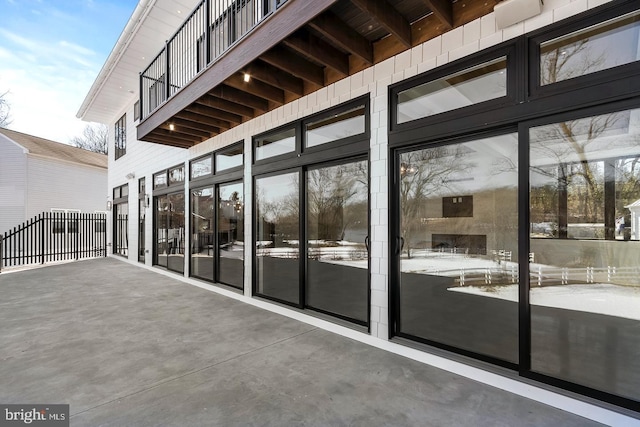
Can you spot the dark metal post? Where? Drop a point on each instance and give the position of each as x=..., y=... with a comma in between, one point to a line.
x=140, y=104
x=1, y=253
x=207, y=32
x=166, y=74
x=42, y=227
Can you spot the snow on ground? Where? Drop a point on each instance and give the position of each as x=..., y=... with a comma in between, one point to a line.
x=603, y=298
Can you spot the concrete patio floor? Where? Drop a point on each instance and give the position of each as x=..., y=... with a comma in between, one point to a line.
x=125, y=346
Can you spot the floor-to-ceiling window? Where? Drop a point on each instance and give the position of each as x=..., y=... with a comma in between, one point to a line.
x=169, y=221
x=217, y=216
x=311, y=213
x=121, y=220
x=143, y=203
x=515, y=207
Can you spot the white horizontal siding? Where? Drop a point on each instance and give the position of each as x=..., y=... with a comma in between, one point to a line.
x=13, y=167
x=56, y=184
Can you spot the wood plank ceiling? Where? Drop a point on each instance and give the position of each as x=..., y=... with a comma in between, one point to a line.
x=348, y=37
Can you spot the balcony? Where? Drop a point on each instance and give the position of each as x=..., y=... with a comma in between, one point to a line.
x=231, y=61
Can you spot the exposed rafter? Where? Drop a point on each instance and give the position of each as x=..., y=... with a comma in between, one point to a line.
x=388, y=17
x=186, y=130
x=307, y=44
x=275, y=77
x=212, y=130
x=214, y=112
x=443, y=10
x=293, y=64
x=223, y=104
x=207, y=120
x=333, y=28
x=257, y=88
x=234, y=95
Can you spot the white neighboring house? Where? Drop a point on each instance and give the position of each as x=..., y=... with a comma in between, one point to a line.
x=38, y=175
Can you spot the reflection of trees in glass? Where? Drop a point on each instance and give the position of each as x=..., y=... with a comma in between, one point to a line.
x=278, y=210
x=423, y=174
x=332, y=197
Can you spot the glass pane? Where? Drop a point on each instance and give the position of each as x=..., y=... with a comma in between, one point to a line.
x=274, y=145
x=121, y=229
x=600, y=47
x=277, y=239
x=175, y=233
x=338, y=225
x=161, y=223
x=201, y=167
x=116, y=193
x=459, y=236
x=471, y=86
x=585, y=251
x=176, y=175
x=230, y=158
x=141, y=187
x=336, y=127
x=231, y=234
x=160, y=180
x=202, y=237
x=124, y=191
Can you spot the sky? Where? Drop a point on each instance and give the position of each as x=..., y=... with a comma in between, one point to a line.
x=50, y=53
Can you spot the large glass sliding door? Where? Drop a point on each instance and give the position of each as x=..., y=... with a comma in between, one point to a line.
x=337, y=203
x=458, y=245
x=170, y=237
x=585, y=251
x=230, y=232
x=278, y=236
x=202, y=234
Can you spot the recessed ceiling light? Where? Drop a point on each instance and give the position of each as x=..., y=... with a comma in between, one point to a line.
x=247, y=77
x=171, y=126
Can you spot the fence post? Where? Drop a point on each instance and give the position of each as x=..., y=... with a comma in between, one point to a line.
x=42, y=249
x=1, y=253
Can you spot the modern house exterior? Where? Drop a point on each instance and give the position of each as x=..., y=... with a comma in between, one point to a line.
x=440, y=179
x=38, y=175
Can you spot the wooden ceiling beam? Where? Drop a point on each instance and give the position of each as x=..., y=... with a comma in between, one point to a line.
x=275, y=77
x=234, y=95
x=186, y=130
x=174, y=134
x=158, y=139
x=307, y=44
x=225, y=105
x=212, y=130
x=214, y=112
x=343, y=36
x=257, y=88
x=388, y=17
x=443, y=10
x=290, y=62
x=207, y=120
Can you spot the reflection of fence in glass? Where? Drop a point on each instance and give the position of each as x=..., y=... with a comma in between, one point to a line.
x=52, y=237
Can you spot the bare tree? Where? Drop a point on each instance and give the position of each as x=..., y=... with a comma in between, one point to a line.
x=95, y=137
x=5, y=109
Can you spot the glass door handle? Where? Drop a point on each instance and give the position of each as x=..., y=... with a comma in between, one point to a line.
x=366, y=242
x=399, y=244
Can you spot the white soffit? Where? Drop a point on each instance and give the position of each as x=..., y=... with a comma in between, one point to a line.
x=150, y=25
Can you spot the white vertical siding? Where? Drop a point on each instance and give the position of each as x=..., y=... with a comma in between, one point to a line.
x=13, y=167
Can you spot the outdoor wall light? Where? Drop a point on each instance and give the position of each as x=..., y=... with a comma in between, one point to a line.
x=109, y=205
x=130, y=175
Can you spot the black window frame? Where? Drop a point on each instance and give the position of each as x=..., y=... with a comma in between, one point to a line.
x=601, y=92
x=566, y=27
x=341, y=151
x=120, y=137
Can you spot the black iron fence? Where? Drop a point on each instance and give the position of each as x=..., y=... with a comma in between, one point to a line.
x=51, y=237
x=192, y=48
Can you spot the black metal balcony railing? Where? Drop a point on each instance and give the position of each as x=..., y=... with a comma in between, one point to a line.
x=192, y=48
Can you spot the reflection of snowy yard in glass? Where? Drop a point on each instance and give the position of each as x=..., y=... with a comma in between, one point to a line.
x=603, y=298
